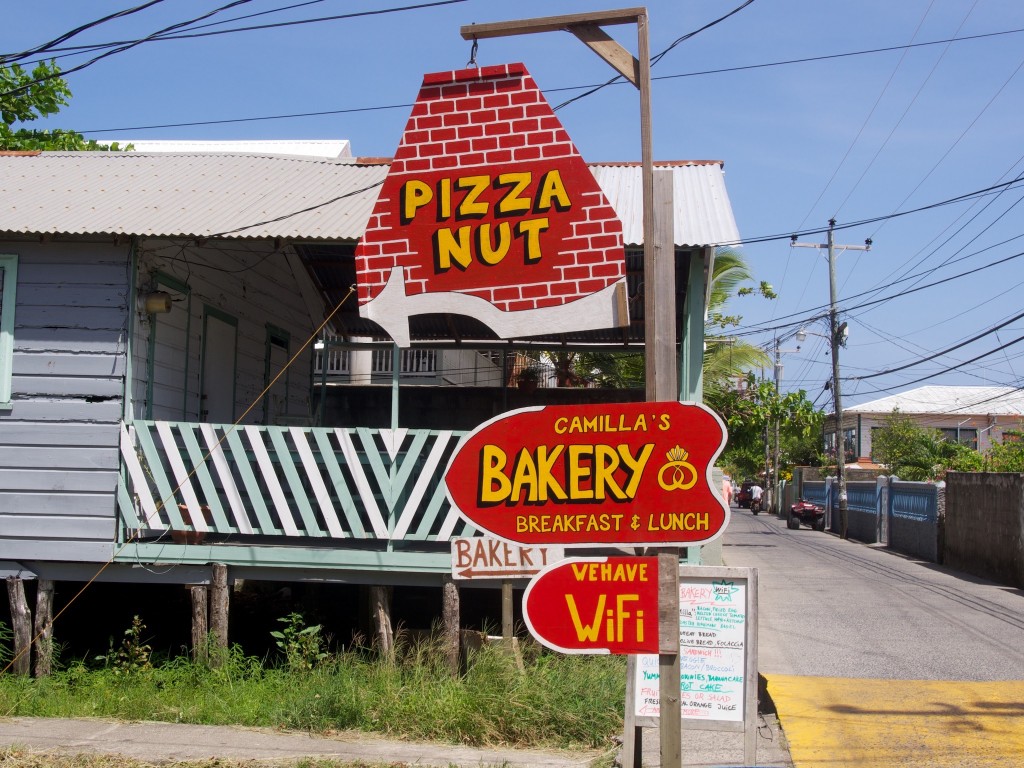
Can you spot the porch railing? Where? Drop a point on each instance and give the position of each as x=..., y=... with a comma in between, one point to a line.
x=298, y=482
x=338, y=361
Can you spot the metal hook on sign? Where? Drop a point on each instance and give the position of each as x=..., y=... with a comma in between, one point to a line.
x=472, y=55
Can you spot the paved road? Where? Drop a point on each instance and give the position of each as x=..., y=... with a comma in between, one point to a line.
x=874, y=659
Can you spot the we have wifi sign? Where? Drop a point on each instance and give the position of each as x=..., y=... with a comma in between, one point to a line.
x=595, y=605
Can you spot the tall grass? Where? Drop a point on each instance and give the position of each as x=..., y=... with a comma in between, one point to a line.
x=551, y=701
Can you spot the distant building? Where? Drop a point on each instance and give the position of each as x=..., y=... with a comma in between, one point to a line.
x=974, y=416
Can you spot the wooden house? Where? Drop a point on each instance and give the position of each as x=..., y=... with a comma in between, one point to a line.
x=166, y=394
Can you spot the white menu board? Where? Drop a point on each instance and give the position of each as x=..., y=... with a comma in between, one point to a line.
x=713, y=648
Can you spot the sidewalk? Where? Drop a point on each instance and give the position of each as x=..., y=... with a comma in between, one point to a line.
x=721, y=749
x=168, y=742
x=162, y=742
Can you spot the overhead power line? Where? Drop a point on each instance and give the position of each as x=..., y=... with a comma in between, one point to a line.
x=6, y=58
x=949, y=369
x=295, y=115
x=814, y=313
x=946, y=351
x=898, y=214
x=656, y=58
x=75, y=50
x=122, y=48
x=165, y=34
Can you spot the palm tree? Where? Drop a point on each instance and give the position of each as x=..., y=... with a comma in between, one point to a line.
x=728, y=358
x=725, y=358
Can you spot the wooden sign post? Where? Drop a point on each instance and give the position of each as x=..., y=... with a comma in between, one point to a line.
x=668, y=658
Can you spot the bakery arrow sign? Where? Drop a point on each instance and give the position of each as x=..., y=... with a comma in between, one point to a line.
x=488, y=210
x=619, y=473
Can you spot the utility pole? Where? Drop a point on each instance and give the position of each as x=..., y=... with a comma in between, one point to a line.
x=837, y=335
x=775, y=458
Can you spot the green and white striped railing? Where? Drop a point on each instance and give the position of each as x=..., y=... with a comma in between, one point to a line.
x=298, y=482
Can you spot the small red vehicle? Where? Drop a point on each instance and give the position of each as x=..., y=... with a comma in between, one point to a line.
x=808, y=513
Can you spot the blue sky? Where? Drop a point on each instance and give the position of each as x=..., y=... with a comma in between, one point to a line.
x=854, y=137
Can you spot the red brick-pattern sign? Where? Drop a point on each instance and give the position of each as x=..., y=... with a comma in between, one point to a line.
x=489, y=210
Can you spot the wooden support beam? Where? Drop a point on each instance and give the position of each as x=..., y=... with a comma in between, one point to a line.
x=380, y=608
x=597, y=40
x=43, y=628
x=21, y=619
x=200, y=623
x=451, y=622
x=549, y=23
x=507, y=605
x=219, y=604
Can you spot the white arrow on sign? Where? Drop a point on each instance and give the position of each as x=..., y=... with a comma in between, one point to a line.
x=483, y=557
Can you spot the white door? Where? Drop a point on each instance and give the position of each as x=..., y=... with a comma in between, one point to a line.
x=275, y=402
x=167, y=394
x=220, y=341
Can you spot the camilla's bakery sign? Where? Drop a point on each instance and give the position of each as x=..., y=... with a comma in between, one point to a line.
x=619, y=473
x=488, y=210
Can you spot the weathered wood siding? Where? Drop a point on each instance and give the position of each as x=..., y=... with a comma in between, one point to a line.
x=75, y=310
x=58, y=441
x=248, y=282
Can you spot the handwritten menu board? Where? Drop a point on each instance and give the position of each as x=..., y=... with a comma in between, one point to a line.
x=712, y=646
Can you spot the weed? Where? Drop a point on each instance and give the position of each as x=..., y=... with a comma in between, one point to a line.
x=302, y=646
x=134, y=656
x=5, y=648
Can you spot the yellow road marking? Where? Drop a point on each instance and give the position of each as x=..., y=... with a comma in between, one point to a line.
x=837, y=722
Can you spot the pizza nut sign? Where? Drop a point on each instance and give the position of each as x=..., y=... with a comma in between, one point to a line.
x=488, y=210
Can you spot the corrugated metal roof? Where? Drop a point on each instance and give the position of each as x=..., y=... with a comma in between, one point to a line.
x=267, y=196
x=703, y=211
x=186, y=195
x=331, y=149
x=966, y=401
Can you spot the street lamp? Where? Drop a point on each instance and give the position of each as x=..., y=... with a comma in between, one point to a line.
x=800, y=335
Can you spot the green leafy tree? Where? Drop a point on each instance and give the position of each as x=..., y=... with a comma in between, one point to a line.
x=750, y=414
x=29, y=95
x=1007, y=456
x=805, y=449
x=908, y=450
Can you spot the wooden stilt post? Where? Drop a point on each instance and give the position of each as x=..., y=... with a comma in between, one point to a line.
x=21, y=619
x=507, y=630
x=43, y=628
x=200, y=623
x=380, y=607
x=219, y=610
x=451, y=622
